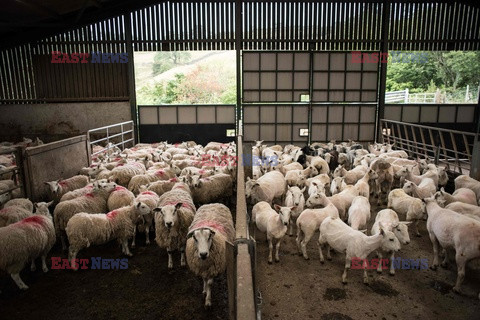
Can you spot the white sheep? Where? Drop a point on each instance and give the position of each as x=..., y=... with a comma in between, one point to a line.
x=144, y=179
x=352, y=176
x=85, y=229
x=211, y=189
x=173, y=216
x=451, y=230
x=309, y=222
x=359, y=213
x=320, y=164
x=60, y=187
x=20, y=202
x=150, y=198
x=465, y=181
x=338, y=235
x=464, y=208
x=413, y=208
x=337, y=186
x=122, y=174
x=363, y=185
x=211, y=228
x=24, y=241
x=461, y=195
x=119, y=197
x=294, y=199
x=273, y=223
x=268, y=187
x=12, y=214
x=93, y=202
x=389, y=219
x=342, y=201
x=425, y=189
x=299, y=177
x=160, y=187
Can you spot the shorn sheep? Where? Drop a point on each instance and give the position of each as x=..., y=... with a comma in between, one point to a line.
x=338, y=235
x=359, y=213
x=173, y=216
x=85, y=229
x=451, y=230
x=294, y=198
x=389, y=219
x=273, y=223
x=211, y=228
x=268, y=187
x=413, y=208
x=24, y=241
x=465, y=181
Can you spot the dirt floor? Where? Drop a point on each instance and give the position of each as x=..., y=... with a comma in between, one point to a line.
x=146, y=290
x=296, y=288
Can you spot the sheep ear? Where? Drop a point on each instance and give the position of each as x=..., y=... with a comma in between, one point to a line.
x=442, y=190
x=35, y=205
x=363, y=231
x=139, y=204
x=212, y=233
x=157, y=210
x=178, y=205
x=277, y=207
x=303, y=190
x=293, y=208
x=405, y=222
x=49, y=203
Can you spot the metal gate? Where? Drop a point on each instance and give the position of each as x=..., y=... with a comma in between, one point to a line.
x=285, y=93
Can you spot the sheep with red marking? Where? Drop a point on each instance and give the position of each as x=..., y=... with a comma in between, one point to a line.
x=173, y=215
x=120, y=197
x=25, y=241
x=60, y=187
x=86, y=229
x=211, y=228
x=12, y=214
x=143, y=179
x=124, y=173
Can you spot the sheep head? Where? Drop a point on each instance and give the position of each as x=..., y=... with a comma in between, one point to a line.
x=169, y=214
x=203, y=241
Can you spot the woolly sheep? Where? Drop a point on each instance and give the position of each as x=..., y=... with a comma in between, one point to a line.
x=20, y=202
x=294, y=198
x=119, y=197
x=211, y=189
x=85, y=229
x=268, y=187
x=24, y=241
x=309, y=222
x=413, y=208
x=273, y=223
x=389, y=219
x=122, y=174
x=150, y=198
x=60, y=187
x=451, y=230
x=12, y=214
x=143, y=179
x=93, y=202
x=173, y=216
x=338, y=235
x=359, y=213
x=211, y=228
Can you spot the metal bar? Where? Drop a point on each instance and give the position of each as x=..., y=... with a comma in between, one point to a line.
x=131, y=74
x=383, y=68
x=454, y=145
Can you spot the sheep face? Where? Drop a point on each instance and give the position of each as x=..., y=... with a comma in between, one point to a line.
x=142, y=209
x=249, y=186
x=42, y=208
x=284, y=213
x=316, y=200
x=297, y=195
x=390, y=242
x=401, y=232
x=302, y=180
x=408, y=187
x=402, y=172
x=336, y=185
x=53, y=185
x=169, y=214
x=203, y=241
x=442, y=176
x=4, y=197
x=372, y=174
x=339, y=172
x=107, y=186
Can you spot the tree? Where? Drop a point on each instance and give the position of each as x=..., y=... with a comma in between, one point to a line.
x=166, y=60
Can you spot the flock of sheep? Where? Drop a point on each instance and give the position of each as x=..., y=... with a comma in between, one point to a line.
x=174, y=189
x=330, y=188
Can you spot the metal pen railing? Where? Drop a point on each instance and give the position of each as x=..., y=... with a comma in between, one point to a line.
x=452, y=148
x=116, y=135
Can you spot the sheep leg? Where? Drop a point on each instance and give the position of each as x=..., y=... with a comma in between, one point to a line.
x=379, y=256
x=303, y=245
x=44, y=263
x=208, y=295
x=434, y=241
x=134, y=236
x=444, y=263
x=277, y=249
x=392, y=269
x=33, y=267
x=270, y=249
x=365, y=275
x=416, y=228
x=290, y=228
x=329, y=257
x=170, y=258
x=147, y=235
x=298, y=240
x=64, y=244
x=20, y=284
x=182, y=256
x=347, y=267
x=72, y=255
x=125, y=246
x=322, y=260
x=461, y=262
